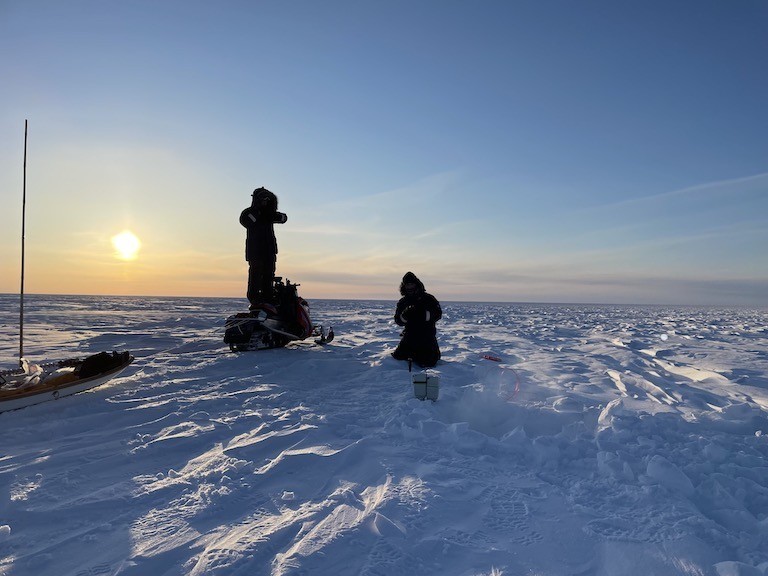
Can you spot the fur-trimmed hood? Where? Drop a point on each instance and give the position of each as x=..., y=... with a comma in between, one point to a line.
x=264, y=199
x=411, y=278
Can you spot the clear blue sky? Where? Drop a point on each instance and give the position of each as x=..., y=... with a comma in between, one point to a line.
x=516, y=150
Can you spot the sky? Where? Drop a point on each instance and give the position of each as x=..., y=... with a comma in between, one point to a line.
x=526, y=150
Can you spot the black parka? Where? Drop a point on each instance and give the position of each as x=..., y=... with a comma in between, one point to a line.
x=258, y=220
x=417, y=313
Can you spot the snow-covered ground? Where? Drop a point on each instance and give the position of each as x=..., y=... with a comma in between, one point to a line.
x=608, y=440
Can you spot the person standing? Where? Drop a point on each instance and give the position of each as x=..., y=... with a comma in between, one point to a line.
x=417, y=312
x=261, y=245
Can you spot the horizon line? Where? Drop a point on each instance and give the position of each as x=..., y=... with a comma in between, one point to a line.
x=497, y=302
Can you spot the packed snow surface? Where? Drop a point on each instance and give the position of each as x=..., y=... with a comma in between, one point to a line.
x=566, y=440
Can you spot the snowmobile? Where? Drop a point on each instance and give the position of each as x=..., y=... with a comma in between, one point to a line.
x=274, y=324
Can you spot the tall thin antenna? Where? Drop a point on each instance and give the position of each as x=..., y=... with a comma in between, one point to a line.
x=23, y=234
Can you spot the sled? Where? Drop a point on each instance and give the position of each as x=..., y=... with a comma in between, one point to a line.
x=31, y=384
x=36, y=383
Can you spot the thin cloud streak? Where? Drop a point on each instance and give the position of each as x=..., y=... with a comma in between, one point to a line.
x=720, y=187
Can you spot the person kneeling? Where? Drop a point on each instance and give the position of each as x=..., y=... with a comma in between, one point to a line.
x=417, y=311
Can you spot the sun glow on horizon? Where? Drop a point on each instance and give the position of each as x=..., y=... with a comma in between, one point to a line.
x=126, y=245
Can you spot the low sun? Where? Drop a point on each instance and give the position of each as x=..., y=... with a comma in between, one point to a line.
x=126, y=245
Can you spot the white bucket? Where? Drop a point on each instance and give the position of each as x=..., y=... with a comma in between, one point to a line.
x=426, y=386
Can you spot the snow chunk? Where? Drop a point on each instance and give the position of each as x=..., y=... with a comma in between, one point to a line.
x=464, y=439
x=546, y=451
x=736, y=569
x=383, y=526
x=567, y=404
x=715, y=453
x=516, y=437
x=5, y=532
x=614, y=409
x=669, y=475
x=611, y=465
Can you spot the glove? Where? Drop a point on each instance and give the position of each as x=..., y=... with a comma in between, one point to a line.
x=415, y=314
x=407, y=314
